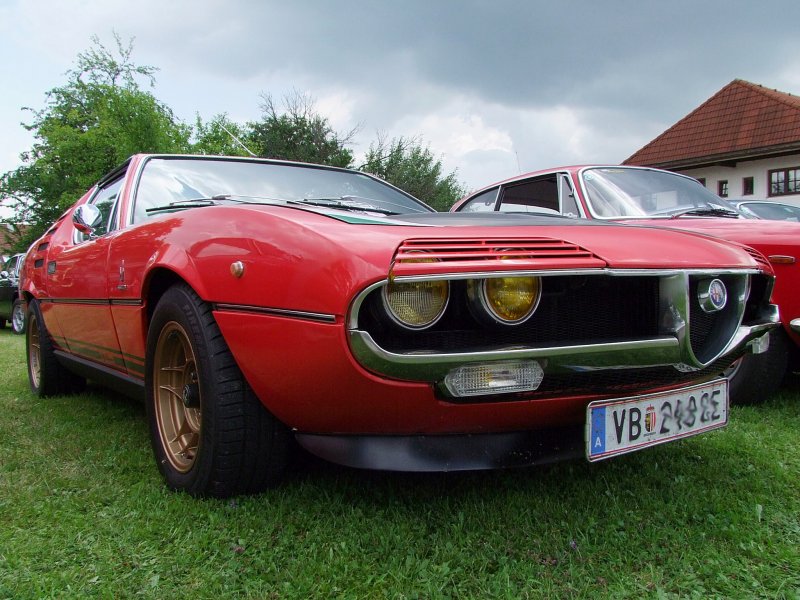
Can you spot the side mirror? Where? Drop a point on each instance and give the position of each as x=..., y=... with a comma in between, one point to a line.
x=86, y=218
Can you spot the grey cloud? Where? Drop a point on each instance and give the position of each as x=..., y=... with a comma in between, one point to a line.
x=626, y=54
x=625, y=69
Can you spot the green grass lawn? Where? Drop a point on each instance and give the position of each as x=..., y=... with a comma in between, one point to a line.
x=83, y=513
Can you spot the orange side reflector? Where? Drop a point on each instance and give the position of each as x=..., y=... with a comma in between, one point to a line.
x=780, y=259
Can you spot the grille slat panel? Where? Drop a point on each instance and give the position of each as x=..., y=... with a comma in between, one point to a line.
x=492, y=254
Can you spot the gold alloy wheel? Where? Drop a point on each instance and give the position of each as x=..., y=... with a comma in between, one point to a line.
x=34, y=352
x=176, y=393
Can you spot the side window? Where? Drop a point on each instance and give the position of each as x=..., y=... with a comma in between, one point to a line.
x=569, y=204
x=534, y=195
x=483, y=202
x=106, y=202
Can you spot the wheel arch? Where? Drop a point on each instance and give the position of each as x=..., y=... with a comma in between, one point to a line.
x=158, y=281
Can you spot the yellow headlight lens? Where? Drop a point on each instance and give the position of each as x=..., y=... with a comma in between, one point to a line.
x=512, y=299
x=416, y=304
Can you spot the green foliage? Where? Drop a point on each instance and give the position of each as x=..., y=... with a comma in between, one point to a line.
x=409, y=165
x=297, y=132
x=89, y=125
x=219, y=136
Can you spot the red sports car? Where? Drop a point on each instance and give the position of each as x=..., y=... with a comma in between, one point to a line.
x=252, y=301
x=645, y=196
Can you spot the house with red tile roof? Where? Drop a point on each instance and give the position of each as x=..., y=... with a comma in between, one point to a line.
x=10, y=235
x=743, y=142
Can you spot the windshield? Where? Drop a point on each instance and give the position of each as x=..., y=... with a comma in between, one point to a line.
x=770, y=210
x=615, y=192
x=177, y=180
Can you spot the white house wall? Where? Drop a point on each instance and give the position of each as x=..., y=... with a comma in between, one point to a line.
x=757, y=169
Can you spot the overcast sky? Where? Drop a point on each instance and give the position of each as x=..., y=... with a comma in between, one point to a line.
x=494, y=88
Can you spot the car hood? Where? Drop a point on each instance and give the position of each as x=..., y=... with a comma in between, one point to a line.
x=648, y=247
x=769, y=237
x=373, y=240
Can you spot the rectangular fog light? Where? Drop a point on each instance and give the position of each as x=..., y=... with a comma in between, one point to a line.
x=504, y=377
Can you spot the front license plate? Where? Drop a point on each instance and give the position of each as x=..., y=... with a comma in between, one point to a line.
x=623, y=425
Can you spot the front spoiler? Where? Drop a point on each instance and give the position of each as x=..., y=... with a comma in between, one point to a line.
x=455, y=452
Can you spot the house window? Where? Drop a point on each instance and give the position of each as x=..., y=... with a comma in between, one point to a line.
x=747, y=186
x=784, y=181
x=722, y=188
x=702, y=181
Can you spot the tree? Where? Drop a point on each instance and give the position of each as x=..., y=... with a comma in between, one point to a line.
x=410, y=165
x=220, y=136
x=89, y=125
x=298, y=132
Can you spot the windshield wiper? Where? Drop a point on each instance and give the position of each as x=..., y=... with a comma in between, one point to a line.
x=191, y=203
x=344, y=203
x=351, y=203
x=707, y=211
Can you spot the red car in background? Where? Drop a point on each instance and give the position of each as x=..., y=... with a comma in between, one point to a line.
x=654, y=197
x=251, y=301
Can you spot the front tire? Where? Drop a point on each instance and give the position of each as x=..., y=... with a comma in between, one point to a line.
x=211, y=436
x=755, y=377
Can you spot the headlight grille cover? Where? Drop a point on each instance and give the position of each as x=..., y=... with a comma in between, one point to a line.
x=417, y=304
x=511, y=299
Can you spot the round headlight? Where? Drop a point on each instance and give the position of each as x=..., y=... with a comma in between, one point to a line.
x=511, y=300
x=416, y=304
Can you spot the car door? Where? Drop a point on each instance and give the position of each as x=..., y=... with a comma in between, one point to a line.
x=77, y=274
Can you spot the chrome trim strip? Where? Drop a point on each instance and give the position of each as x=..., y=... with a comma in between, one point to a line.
x=561, y=272
x=94, y=301
x=745, y=333
x=125, y=302
x=89, y=301
x=277, y=312
x=596, y=357
x=434, y=366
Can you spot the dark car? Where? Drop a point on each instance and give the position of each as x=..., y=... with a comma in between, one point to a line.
x=12, y=308
x=251, y=302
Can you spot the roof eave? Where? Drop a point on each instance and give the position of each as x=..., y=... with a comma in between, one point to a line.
x=728, y=159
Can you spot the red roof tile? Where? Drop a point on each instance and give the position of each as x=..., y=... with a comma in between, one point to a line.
x=739, y=121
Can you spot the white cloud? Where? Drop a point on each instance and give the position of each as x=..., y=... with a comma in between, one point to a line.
x=339, y=107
